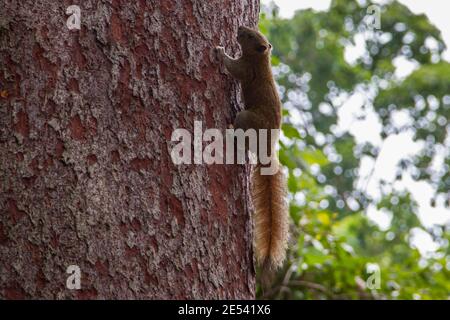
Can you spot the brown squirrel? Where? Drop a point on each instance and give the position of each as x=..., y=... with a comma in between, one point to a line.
x=262, y=111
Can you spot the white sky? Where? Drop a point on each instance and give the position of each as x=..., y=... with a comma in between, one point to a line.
x=370, y=128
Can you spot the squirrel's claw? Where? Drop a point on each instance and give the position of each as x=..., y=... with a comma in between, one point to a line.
x=220, y=52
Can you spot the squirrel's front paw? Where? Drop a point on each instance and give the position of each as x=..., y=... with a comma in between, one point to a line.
x=220, y=52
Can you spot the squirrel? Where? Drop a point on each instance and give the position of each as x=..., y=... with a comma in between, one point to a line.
x=262, y=111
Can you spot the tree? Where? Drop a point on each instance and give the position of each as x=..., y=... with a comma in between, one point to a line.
x=336, y=247
x=86, y=118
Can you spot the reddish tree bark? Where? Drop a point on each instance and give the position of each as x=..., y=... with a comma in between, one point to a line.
x=86, y=118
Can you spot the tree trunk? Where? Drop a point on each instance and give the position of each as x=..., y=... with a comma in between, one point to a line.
x=86, y=119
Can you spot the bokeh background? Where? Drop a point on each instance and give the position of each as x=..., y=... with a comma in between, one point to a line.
x=366, y=145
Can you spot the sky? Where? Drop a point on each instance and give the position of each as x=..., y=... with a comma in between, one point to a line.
x=370, y=128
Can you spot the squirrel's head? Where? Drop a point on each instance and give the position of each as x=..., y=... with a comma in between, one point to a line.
x=253, y=42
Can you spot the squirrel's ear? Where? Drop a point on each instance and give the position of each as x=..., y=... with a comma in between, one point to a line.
x=270, y=46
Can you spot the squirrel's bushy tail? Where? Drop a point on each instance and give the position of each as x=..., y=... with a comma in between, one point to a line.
x=271, y=218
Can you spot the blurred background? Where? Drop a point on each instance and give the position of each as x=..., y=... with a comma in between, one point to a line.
x=366, y=145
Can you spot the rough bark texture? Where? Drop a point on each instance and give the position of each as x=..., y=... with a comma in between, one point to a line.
x=86, y=173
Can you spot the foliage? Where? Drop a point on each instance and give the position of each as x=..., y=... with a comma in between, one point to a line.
x=335, y=246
